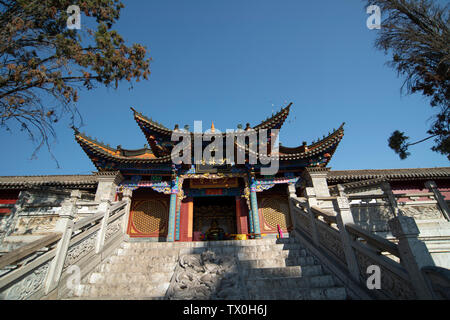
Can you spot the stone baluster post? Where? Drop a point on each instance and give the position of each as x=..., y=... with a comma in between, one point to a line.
x=312, y=201
x=413, y=253
x=104, y=206
x=127, y=194
x=343, y=217
x=386, y=187
x=431, y=185
x=291, y=191
x=107, y=185
x=65, y=226
x=316, y=177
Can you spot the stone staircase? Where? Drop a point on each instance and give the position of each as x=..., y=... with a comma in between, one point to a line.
x=261, y=269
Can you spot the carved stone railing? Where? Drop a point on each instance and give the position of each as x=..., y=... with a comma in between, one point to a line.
x=41, y=269
x=376, y=242
x=373, y=203
x=87, y=207
x=14, y=257
x=325, y=215
x=439, y=279
x=351, y=251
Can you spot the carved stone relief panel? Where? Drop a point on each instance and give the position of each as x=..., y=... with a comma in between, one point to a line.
x=391, y=284
x=372, y=217
x=422, y=212
x=80, y=249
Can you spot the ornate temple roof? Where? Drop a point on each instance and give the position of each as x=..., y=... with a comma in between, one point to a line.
x=105, y=157
x=98, y=153
x=323, y=148
x=159, y=136
x=148, y=126
x=275, y=121
x=326, y=144
x=154, y=130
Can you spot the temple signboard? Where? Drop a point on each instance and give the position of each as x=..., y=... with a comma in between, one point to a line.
x=214, y=183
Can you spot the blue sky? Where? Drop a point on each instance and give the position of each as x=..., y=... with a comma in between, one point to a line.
x=238, y=61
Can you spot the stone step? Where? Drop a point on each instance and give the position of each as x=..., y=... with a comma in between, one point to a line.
x=171, y=251
x=148, y=252
x=278, y=262
x=107, y=298
x=334, y=293
x=202, y=244
x=290, y=283
x=244, y=249
x=128, y=278
x=282, y=272
x=143, y=259
x=123, y=290
x=285, y=254
x=270, y=269
x=136, y=267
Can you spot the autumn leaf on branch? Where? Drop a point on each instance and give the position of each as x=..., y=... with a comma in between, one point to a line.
x=41, y=58
x=417, y=35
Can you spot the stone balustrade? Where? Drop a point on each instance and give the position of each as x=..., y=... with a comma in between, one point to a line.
x=42, y=268
x=350, y=250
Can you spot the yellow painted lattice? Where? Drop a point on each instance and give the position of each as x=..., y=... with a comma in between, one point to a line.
x=276, y=211
x=150, y=216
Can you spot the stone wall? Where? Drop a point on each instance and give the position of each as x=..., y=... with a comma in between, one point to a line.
x=34, y=215
x=373, y=214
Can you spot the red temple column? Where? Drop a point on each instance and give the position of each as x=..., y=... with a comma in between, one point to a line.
x=186, y=218
x=241, y=215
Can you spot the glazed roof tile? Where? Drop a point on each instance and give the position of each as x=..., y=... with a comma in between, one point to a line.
x=93, y=148
x=328, y=143
x=338, y=176
x=144, y=122
x=391, y=174
x=17, y=182
x=97, y=150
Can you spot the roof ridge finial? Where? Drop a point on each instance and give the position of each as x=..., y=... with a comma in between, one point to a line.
x=75, y=129
x=212, y=126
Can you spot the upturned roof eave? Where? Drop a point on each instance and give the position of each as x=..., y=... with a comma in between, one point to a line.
x=92, y=148
x=146, y=123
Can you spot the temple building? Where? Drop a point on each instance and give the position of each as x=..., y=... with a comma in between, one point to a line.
x=179, y=202
x=224, y=215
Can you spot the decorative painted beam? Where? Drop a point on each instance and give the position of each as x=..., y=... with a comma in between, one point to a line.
x=213, y=192
x=158, y=186
x=267, y=183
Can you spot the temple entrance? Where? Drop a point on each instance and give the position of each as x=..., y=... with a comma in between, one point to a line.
x=214, y=218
